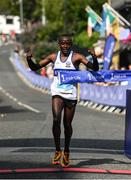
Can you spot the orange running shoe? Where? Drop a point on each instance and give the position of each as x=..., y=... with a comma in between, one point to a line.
x=57, y=157
x=65, y=160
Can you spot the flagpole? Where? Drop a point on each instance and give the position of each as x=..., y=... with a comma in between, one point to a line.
x=117, y=14
x=116, y=32
x=122, y=23
x=78, y=92
x=109, y=2
x=88, y=8
x=90, y=23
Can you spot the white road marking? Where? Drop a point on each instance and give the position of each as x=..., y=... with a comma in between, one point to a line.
x=4, y=52
x=18, y=102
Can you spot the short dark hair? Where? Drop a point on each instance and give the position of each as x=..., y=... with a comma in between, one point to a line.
x=65, y=35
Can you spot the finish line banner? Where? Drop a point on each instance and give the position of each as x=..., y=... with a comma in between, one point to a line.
x=72, y=77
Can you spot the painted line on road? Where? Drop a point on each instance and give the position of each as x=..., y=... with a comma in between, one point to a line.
x=4, y=52
x=18, y=102
x=68, y=169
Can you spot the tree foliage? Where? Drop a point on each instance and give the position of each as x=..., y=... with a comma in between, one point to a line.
x=70, y=16
x=5, y=7
x=62, y=16
x=32, y=9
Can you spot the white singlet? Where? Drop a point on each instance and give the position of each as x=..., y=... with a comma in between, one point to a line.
x=68, y=91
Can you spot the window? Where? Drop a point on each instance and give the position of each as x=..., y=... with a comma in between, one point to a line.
x=9, y=21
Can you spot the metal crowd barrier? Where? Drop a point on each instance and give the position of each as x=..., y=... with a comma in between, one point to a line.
x=92, y=94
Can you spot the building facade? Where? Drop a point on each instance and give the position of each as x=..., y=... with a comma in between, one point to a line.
x=10, y=24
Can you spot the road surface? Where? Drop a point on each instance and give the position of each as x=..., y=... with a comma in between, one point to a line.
x=26, y=138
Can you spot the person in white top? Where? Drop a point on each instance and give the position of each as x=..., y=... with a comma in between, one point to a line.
x=64, y=97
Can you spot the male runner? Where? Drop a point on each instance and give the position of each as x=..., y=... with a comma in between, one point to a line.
x=64, y=97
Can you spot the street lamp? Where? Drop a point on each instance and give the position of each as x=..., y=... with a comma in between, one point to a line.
x=21, y=14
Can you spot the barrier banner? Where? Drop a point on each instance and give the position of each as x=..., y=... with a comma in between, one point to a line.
x=107, y=95
x=108, y=51
x=92, y=76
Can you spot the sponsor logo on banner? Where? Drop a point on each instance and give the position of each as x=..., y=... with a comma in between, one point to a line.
x=66, y=77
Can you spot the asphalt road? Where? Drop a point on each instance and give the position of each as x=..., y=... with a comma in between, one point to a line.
x=26, y=137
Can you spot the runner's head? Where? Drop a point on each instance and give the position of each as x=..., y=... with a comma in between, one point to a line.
x=65, y=43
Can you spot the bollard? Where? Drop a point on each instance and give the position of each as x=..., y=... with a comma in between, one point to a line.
x=127, y=143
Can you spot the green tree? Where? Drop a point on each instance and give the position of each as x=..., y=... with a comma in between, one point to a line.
x=70, y=13
x=62, y=16
x=70, y=16
x=32, y=9
x=83, y=40
x=5, y=7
